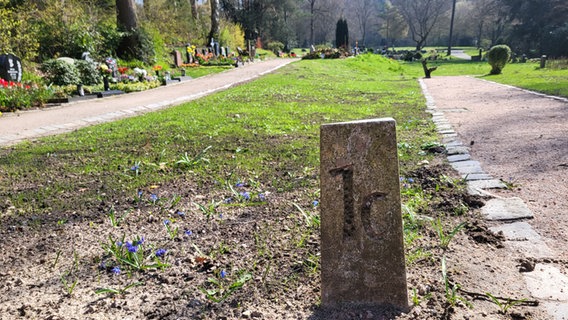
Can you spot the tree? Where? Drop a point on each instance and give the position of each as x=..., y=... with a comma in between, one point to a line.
x=215, y=19
x=421, y=16
x=342, y=34
x=126, y=18
x=193, y=9
x=364, y=12
x=451, y=27
x=498, y=57
x=392, y=24
x=537, y=23
x=127, y=23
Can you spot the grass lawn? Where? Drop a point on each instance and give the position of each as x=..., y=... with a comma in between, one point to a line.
x=218, y=191
x=254, y=130
x=524, y=75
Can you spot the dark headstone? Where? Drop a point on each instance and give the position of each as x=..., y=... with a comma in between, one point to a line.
x=362, y=250
x=216, y=48
x=109, y=93
x=10, y=68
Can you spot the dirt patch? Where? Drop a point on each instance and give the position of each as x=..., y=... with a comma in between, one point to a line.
x=242, y=259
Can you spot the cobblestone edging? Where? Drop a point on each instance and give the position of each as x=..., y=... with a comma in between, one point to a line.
x=546, y=282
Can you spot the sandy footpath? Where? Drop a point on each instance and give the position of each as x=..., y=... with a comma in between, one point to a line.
x=19, y=126
x=519, y=137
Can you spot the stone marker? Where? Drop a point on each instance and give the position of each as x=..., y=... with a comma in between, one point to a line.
x=10, y=67
x=177, y=58
x=362, y=257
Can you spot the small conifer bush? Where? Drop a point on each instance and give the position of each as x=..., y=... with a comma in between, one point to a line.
x=498, y=56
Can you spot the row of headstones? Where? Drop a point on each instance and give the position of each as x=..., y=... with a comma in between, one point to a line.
x=214, y=49
x=11, y=66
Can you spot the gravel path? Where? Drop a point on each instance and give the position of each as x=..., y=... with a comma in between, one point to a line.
x=518, y=136
x=19, y=126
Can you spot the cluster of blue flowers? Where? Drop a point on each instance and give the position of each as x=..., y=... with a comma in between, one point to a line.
x=406, y=182
x=244, y=195
x=161, y=253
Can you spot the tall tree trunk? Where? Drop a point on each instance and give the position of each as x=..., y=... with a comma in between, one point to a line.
x=193, y=9
x=126, y=18
x=312, y=18
x=127, y=21
x=214, y=33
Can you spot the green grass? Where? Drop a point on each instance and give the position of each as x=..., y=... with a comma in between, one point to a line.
x=524, y=75
x=267, y=130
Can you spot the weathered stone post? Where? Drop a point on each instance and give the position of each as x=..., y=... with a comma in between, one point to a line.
x=362, y=257
x=543, y=61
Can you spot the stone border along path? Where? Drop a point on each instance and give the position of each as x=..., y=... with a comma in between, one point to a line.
x=546, y=283
x=27, y=125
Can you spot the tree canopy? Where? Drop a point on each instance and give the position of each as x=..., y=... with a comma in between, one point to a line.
x=143, y=29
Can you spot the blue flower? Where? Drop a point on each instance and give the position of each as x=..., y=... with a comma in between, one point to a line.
x=119, y=244
x=102, y=266
x=139, y=242
x=261, y=197
x=139, y=193
x=188, y=233
x=223, y=274
x=160, y=253
x=131, y=248
x=239, y=184
x=135, y=168
x=220, y=216
x=180, y=213
x=166, y=222
x=153, y=197
x=315, y=203
x=116, y=270
x=228, y=200
x=245, y=195
x=410, y=180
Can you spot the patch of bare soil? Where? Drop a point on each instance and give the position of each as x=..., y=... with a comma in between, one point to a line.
x=259, y=258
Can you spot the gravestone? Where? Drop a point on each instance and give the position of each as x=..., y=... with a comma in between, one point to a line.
x=216, y=48
x=112, y=65
x=10, y=68
x=362, y=251
x=177, y=58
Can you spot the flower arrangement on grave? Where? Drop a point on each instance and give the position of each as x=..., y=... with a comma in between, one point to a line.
x=157, y=69
x=122, y=70
x=191, y=49
x=18, y=96
x=189, y=65
x=203, y=58
x=106, y=72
